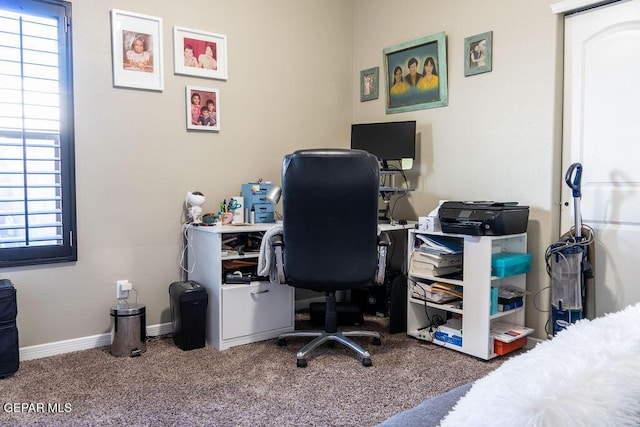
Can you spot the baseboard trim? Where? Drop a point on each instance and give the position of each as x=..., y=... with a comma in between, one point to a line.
x=84, y=343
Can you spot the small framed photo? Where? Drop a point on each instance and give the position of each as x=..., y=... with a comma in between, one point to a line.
x=203, y=108
x=199, y=53
x=478, y=53
x=137, y=50
x=416, y=74
x=369, y=84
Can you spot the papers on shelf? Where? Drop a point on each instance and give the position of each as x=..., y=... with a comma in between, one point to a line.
x=508, y=332
x=438, y=260
x=438, y=244
x=427, y=269
x=436, y=292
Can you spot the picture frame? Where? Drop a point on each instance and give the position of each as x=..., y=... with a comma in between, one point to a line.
x=136, y=42
x=427, y=55
x=199, y=53
x=197, y=117
x=369, y=82
x=478, y=54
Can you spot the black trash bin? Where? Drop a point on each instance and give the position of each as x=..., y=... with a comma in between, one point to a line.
x=188, y=302
x=9, y=351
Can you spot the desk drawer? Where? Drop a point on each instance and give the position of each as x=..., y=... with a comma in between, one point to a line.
x=261, y=208
x=256, y=308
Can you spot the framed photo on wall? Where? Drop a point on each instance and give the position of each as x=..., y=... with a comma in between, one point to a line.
x=137, y=50
x=203, y=108
x=199, y=53
x=416, y=74
x=369, y=84
x=478, y=55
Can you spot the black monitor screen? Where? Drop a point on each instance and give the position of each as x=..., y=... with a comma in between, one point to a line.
x=386, y=141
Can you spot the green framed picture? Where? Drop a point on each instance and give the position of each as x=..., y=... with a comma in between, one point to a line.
x=416, y=74
x=478, y=55
x=369, y=84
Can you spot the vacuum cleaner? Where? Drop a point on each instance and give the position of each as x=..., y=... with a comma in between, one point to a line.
x=566, y=262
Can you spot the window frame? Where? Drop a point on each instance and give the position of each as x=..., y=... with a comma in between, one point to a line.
x=67, y=251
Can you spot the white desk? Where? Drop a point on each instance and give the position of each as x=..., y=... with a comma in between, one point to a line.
x=240, y=314
x=236, y=314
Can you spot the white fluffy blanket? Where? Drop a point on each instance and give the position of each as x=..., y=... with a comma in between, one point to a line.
x=587, y=375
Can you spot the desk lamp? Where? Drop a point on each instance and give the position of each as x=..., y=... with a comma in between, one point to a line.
x=193, y=203
x=273, y=195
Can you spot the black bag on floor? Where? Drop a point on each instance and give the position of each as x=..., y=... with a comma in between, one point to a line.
x=9, y=350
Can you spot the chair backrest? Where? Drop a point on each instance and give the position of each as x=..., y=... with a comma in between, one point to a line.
x=330, y=210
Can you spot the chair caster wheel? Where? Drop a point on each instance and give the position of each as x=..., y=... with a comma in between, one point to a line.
x=366, y=361
x=302, y=363
x=282, y=342
x=377, y=341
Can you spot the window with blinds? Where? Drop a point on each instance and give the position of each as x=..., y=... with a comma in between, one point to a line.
x=37, y=189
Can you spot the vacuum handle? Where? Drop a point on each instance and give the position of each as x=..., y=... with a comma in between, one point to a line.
x=575, y=184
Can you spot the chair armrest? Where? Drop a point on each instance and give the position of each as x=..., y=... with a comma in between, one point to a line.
x=277, y=242
x=383, y=239
x=383, y=246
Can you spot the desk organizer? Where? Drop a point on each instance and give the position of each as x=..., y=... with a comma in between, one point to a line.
x=255, y=196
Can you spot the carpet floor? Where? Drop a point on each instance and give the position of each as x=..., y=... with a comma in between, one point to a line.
x=250, y=385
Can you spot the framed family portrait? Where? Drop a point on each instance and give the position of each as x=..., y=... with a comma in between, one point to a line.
x=478, y=53
x=199, y=53
x=137, y=50
x=416, y=74
x=369, y=84
x=203, y=108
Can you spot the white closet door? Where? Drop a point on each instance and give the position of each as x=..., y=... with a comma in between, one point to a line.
x=601, y=131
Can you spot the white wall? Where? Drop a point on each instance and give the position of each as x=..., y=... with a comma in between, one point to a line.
x=293, y=83
x=498, y=139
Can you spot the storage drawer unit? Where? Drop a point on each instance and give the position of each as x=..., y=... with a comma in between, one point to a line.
x=255, y=196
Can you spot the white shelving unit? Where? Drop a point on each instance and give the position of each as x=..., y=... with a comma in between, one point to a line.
x=476, y=283
x=237, y=313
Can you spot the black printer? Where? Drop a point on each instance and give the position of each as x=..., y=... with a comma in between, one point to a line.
x=483, y=218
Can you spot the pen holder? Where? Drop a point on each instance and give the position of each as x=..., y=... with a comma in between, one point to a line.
x=226, y=218
x=238, y=211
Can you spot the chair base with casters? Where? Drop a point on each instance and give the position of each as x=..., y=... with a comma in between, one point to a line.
x=330, y=335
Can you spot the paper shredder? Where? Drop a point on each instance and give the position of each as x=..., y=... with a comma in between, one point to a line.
x=188, y=302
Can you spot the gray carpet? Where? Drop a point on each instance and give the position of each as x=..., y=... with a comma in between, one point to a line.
x=251, y=385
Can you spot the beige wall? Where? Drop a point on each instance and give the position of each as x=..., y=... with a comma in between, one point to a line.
x=499, y=137
x=293, y=83
x=289, y=87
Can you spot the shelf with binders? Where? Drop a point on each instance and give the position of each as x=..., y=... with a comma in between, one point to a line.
x=443, y=322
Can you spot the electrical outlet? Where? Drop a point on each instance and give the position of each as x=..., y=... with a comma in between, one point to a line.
x=122, y=289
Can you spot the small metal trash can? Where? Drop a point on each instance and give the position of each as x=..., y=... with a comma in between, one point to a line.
x=129, y=330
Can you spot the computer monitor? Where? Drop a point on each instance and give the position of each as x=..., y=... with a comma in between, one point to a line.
x=387, y=141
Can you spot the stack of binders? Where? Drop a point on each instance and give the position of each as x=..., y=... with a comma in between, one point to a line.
x=436, y=257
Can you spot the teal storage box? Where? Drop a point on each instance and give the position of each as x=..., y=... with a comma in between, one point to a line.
x=505, y=264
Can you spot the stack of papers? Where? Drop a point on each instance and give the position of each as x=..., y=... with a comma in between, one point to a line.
x=508, y=332
x=436, y=292
x=436, y=258
x=439, y=245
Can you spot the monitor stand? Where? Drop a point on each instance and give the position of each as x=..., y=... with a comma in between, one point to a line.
x=383, y=216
